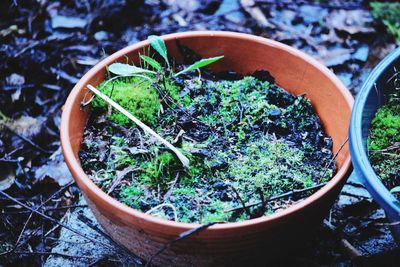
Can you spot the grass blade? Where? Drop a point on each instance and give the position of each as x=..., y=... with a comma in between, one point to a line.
x=151, y=62
x=199, y=64
x=182, y=158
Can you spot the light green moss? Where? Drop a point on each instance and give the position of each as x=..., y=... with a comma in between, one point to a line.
x=385, y=130
x=384, y=133
x=136, y=95
x=284, y=169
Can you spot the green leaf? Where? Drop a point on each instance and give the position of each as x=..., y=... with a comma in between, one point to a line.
x=199, y=64
x=126, y=69
x=395, y=189
x=151, y=62
x=159, y=45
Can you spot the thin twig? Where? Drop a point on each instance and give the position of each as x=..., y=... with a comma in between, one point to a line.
x=120, y=176
x=66, y=207
x=169, y=192
x=53, y=253
x=350, y=250
x=332, y=159
x=31, y=214
x=287, y=194
x=182, y=158
x=150, y=211
x=30, y=142
x=180, y=237
x=51, y=219
x=246, y=208
x=94, y=227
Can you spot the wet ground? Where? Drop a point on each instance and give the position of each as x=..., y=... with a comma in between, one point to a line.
x=46, y=46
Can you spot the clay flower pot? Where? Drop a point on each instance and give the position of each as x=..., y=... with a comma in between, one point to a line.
x=372, y=96
x=230, y=243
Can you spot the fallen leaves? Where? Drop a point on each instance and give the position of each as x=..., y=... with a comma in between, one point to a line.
x=55, y=168
x=7, y=176
x=351, y=21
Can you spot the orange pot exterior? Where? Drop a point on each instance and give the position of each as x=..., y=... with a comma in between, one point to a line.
x=230, y=243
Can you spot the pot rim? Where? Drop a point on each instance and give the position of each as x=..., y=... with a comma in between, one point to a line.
x=92, y=190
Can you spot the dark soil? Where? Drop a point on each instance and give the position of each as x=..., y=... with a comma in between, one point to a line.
x=247, y=140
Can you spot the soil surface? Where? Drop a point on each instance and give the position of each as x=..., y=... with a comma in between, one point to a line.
x=247, y=139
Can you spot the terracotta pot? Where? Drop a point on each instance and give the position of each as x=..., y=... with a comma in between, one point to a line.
x=230, y=243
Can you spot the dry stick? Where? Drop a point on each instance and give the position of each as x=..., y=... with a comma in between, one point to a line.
x=180, y=237
x=395, y=146
x=30, y=142
x=287, y=194
x=334, y=157
x=162, y=206
x=388, y=224
x=66, y=207
x=246, y=208
x=119, y=178
x=94, y=227
x=347, y=247
x=182, y=158
x=50, y=218
x=31, y=214
x=52, y=253
x=351, y=251
x=169, y=192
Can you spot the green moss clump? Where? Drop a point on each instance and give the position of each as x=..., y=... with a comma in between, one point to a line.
x=285, y=168
x=136, y=95
x=384, y=133
x=385, y=130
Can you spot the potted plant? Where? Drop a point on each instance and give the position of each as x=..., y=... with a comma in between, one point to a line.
x=243, y=236
x=374, y=136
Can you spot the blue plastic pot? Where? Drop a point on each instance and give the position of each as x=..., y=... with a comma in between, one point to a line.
x=373, y=94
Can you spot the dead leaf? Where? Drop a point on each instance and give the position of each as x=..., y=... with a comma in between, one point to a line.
x=335, y=57
x=26, y=126
x=55, y=168
x=7, y=176
x=351, y=21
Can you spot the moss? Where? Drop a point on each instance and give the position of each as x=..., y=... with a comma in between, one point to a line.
x=385, y=128
x=384, y=133
x=284, y=168
x=172, y=89
x=216, y=212
x=136, y=95
x=389, y=14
